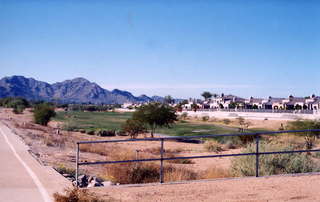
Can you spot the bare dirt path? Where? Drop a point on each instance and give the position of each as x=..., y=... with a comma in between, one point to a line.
x=22, y=178
x=275, y=188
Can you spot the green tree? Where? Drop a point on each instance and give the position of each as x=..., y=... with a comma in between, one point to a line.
x=206, y=95
x=194, y=107
x=155, y=115
x=133, y=127
x=168, y=99
x=43, y=113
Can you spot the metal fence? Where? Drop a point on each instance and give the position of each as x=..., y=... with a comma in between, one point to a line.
x=257, y=153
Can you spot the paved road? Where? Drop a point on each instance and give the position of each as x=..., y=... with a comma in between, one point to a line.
x=22, y=178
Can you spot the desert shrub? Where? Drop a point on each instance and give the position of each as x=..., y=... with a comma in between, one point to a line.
x=133, y=127
x=213, y=146
x=77, y=195
x=43, y=113
x=205, y=118
x=101, y=149
x=62, y=169
x=230, y=145
x=90, y=131
x=105, y=133
x=310, y=137
x=172, y=174
x=272, y=164
x=177, y=161
x=245, y=139
x=226, y=121
x=18, y=109
x=215, y=172
x=157, y=150
x=54, y=141
x=134, y=173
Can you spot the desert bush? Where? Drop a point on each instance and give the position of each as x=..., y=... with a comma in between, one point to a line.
x=77, y=195
x=177, y=161
x=245, y=139
x=230, y=145
x=226, y=121
x=205, y=118
x=172, y=174
x=101, y=149
x=54, y=141
x=213, y=146
x=62, y=169
x=133, y=127
x=215, y=172
x=134, y=173
x=90, y=131
x=310, y=137
x=272, y=164
x=18, y=109
x=105, y=133
x=43, y=113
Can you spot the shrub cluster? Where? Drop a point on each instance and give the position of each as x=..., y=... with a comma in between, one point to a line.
x=77, y=195
x=18, y=104
x=272, y=164
x=213, y=146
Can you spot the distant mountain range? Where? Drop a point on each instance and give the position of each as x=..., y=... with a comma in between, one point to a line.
x=78, y=90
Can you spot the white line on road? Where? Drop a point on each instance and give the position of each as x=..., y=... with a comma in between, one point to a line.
x=35, y=179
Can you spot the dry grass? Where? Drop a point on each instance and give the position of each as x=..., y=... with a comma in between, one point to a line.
x=54, y=140
x=134, y=173
x=157, y=150
x=215, y=172
x=213, y=146
x=172, y=174
x=101, y=149
x=78, y=195
x=177, y=161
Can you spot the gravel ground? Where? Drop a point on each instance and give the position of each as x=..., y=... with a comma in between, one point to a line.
x=275, y=188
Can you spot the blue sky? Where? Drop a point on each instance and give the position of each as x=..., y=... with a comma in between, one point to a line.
x=181, y=47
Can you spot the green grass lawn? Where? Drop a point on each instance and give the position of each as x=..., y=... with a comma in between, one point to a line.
x=114, y=120
x=92, y=120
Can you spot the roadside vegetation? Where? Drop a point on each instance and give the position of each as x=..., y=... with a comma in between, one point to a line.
x=43, y=113
x=17, y=104
x=78, y=195
x=159, y=118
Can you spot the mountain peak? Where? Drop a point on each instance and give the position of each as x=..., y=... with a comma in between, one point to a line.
x=77, y=90
x=80, y=79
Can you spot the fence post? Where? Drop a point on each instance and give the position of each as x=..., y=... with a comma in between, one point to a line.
x=161, y=162
x=77, y=164
x=257, y=155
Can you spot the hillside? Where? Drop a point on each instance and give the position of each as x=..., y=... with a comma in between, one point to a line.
x=78, y=90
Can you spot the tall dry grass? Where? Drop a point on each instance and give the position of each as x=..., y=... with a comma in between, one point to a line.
x=78, y=195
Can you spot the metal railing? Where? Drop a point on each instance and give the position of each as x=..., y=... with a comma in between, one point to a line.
x=257, y=153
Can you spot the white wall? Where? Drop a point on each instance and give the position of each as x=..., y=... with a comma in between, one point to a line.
x=254, y=115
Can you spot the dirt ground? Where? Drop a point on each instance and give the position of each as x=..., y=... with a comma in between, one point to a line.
x=275, y=188
x=253, y=123
x=286, y=188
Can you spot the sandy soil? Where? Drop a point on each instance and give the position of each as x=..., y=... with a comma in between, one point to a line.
x=253, y=123
x=276, y=188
